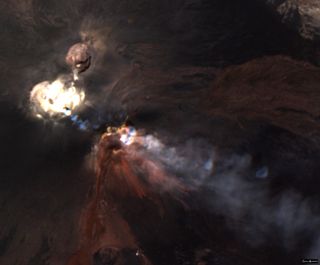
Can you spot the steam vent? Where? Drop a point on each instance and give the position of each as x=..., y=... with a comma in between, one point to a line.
x=157, y=132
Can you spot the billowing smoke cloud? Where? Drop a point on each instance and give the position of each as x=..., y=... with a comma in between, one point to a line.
x=231, y=187
x=192, y=161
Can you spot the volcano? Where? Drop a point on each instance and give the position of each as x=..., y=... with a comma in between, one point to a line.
x=197, y=141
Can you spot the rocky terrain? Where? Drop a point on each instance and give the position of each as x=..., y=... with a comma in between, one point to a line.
x=225, y=95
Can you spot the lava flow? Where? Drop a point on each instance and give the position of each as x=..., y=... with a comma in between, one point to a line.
x=123, y=173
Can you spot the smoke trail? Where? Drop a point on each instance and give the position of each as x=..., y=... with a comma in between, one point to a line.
x=230, y=186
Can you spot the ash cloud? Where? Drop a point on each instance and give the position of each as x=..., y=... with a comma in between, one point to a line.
x=230, y=187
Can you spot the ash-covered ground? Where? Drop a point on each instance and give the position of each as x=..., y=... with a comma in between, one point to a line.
x=224, y=99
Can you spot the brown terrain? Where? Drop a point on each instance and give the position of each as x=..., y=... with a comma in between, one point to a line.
x=228, y=94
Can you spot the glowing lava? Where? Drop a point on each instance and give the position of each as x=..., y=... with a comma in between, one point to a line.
x=59, y=98
x=127, y=134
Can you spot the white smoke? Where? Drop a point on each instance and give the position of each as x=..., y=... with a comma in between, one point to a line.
x=192, y=160
x=230, y=187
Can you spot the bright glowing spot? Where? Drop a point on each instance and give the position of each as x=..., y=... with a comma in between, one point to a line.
x=127, y=134
x=56, y=98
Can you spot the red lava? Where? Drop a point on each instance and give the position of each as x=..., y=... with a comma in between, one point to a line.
x=102, y=226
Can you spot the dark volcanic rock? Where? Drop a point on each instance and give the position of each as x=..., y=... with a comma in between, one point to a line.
x=223, y=71
x=278, y=90
x=117, y=257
